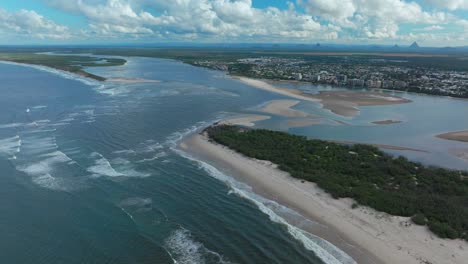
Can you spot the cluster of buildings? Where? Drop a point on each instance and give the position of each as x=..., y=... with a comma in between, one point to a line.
x=350, y=74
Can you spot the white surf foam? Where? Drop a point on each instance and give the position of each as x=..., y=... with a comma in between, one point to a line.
x=11, y=125
x=123, y=167
x=63, y=74
x=102, y=167
x=39, y=107
x=184, y=249
x=159, y=155
x=324, y=250
x=10, y=146
x=42, y=170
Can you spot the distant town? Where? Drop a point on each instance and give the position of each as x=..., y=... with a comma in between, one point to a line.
x=379, y=73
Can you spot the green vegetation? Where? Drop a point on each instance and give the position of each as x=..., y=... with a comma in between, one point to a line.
x=433, y=196
x=70, y=63
x=419, y=219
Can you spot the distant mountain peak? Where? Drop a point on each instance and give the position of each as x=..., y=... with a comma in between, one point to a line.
x=414, y=45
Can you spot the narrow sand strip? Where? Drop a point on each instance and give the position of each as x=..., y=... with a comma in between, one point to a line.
x=456, y=136
x=365, y=234
x=248, y=121
x=386, y=122
x=283, y=108
x=294, y=93
x=382, y=146
x=130, y=80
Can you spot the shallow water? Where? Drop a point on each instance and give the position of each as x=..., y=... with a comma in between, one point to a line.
x=90, y=173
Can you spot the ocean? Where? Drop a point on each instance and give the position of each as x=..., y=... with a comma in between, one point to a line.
x=91, y=172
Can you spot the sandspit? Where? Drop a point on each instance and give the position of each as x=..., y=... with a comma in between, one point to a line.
x=456, y=136
x=386, y=122
x=283, y=108
x=131, y=80
x=248, y=121
x=344, y=103
x=363, y=233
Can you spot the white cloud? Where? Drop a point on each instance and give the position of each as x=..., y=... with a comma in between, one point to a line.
x=217, y=19
x=28, y=23
x=377, y=19
x=450, y=4
x=432, y=28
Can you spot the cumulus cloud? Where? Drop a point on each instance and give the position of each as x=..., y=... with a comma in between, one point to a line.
x=450, y=4
x=373, y=18
x=28, y=23
x=223, y=19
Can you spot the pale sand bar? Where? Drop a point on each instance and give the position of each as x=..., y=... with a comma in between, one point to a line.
x=131, y=80
x=283, y=108
x=386, y=122
x=366, y=235
x=344, y=103
x=294, y=93
x=248, y=121
x=457, y=136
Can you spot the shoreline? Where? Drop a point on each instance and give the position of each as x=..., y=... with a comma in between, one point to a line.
x=366, y=235
x=345, y=103
x=80, y=76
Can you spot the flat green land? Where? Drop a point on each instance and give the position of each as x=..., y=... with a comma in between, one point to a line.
x=432, y=196
x=70, y=63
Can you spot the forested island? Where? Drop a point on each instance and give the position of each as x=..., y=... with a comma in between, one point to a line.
x=431, y=196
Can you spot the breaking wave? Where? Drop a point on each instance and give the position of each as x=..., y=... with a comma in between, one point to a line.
x=324, y=250
x=184, y=249
x=63, y=74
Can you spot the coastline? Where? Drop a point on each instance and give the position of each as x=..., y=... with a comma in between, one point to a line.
x=364, y=234
x=343, y=103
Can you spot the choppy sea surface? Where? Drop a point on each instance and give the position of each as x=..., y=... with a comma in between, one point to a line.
x=90, y=172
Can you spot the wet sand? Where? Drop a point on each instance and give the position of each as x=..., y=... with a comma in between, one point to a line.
x=248, y=121
x=344, y=103
x=456, y=136
x=382, y=146
x=283, y=108
x=129, y=80
x=386, y=122
x=363, y=233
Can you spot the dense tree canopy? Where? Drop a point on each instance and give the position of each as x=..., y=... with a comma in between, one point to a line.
x=433, y=196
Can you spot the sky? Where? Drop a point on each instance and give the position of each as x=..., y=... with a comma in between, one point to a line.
x=429, y=22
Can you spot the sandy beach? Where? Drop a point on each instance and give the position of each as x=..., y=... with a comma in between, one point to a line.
x=386, y=122
x=457, y=136
x=344, y=103
x=248, y=121
x=259, y=84
x=363, y=233
x=283, y=108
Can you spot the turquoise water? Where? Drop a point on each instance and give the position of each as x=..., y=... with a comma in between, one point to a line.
x=90, y=172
